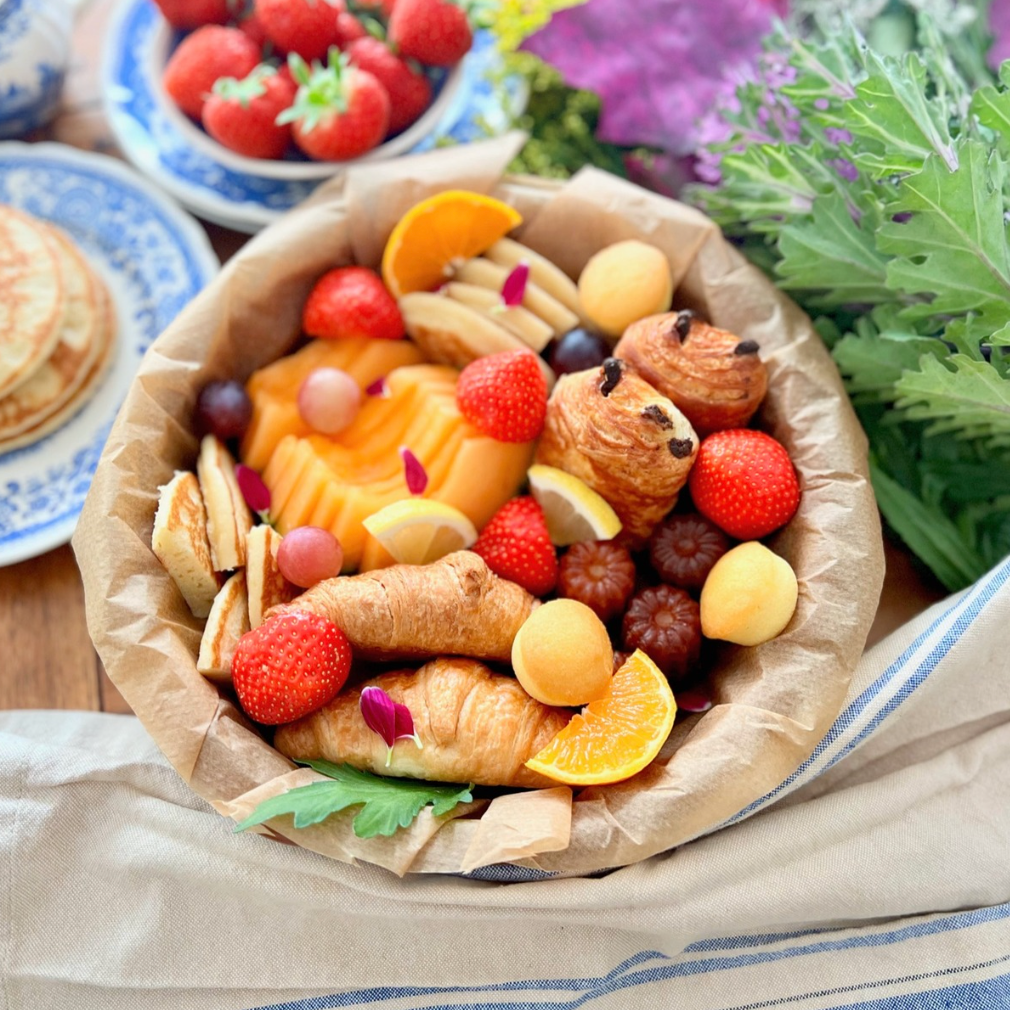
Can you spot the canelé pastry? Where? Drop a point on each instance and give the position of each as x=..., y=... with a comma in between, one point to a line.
x=715, y=378
x=629, y=443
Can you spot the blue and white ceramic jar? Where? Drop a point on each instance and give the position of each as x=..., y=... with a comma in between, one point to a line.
x=34, y=48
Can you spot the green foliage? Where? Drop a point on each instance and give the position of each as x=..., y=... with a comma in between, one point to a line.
x=882, y=207
x=386, y=804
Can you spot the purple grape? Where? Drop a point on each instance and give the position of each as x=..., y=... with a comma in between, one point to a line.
x=223, y=409
x=576, y=351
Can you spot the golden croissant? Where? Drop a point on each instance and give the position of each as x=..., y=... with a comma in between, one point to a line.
x=716, y=379
x=474, y=726
x=628, y=442
x=455, y=606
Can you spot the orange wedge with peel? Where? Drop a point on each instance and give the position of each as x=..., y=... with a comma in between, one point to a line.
x=447, y=228
x=617, y=735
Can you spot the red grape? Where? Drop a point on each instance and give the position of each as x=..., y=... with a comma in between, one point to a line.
x=308, y=555
x=578, y=350
x=329, y=400
x=223, y=408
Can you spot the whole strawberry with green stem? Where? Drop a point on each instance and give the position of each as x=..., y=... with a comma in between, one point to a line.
x=436, y=32
x=242, y=114
x=340, y=111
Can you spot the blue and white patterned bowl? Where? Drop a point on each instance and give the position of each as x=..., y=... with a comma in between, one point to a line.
x=239, y=200
x=154, y=258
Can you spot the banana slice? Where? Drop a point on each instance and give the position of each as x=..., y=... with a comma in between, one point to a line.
x=228, y=516
x=507, y=252
x=530, y=329
x=227, y=623
x=486, y=274
x=264, y=582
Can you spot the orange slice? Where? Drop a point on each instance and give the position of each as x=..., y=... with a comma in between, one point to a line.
x=617, y=735
x=451, y=226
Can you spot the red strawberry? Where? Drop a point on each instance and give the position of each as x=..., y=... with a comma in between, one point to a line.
x=289, y=666
x=203, y=57
x=186, y=14
x=306, y=27
x=409, y=90
x=253, y=27
x=351, y=302
x=435, y=32
x=516, y=546
x=744, y=481
x=504, y=395
x=242, y=114
x=340, y=112
x=349, y=29
x=385, y=6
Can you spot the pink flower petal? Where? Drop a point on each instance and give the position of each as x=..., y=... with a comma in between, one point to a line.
x=693, y=701
x=254, y=491
x=378, y=388
x=379, y=713
x=405, y=725
x=514, y=288
x=416, y=475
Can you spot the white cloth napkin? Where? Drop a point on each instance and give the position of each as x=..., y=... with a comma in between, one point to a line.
x=877, y=877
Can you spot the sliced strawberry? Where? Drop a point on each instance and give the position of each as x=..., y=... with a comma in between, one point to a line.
x=289, y=666
x=504, y=396
x=516, y=546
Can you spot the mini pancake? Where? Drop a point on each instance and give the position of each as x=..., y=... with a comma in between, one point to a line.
x=31, y=297
x=56, y=382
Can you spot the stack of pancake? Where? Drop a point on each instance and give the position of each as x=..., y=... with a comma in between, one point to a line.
x=57, y=329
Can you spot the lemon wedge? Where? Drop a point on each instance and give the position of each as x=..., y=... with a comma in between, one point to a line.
x=418, y=531
x=574, y=511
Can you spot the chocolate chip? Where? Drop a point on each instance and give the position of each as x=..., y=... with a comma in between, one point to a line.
x=682, y=324
x=613, y=368
x=681, y=447
x=654, y=412
x=747, y=347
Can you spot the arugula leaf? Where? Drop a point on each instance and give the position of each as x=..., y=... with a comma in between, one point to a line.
x=899, y=125
x=953, y=250
x=388, y=804
x=829, y=253
x=969, y=399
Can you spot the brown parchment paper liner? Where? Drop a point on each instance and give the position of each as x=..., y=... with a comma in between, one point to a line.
x=773, y=703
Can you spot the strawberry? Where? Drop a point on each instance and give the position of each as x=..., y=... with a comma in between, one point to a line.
x=187, y=14
x=744, y=481
x=253, y=27
x=435, y=32
x=516, y=546
x=504, y=396
x=289, y=666
x=349, y=29
x=241, y=114
x=201, y=58
x=340, y=112
x=409, y=90
x=351, y=302
x=306, y=27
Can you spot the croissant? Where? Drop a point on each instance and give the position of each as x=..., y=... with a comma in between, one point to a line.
x=474, y=726
x=715, y=378
x=455, y=606
x=629, y=443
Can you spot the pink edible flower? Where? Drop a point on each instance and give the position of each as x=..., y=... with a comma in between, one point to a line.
x=391, y=720
x=254, y=491
x=514, y=289
x=378, y=388
x=414, y=472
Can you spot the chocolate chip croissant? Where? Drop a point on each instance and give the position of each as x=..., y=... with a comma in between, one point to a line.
x=474, y=726
x=715, y=378
x=628, y=442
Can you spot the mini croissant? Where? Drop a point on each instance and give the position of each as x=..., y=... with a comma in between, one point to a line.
x=474, y=726
x=629, y=443
x=715, y=378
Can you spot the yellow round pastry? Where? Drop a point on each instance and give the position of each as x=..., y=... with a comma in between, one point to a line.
x=624, y=283
x=749, y=596
x=562, y=654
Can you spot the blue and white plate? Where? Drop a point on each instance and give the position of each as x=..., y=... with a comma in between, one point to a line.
x=234, y=199
x=154, y=258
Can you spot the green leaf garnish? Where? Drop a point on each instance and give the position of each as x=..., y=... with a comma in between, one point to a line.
x=387, y=804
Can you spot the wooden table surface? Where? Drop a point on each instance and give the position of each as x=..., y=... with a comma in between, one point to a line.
x=48, y=660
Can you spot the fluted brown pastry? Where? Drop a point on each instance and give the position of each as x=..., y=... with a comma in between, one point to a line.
x=715, y=378
x=456, y=606
x=628, y=442
x=474, y=726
